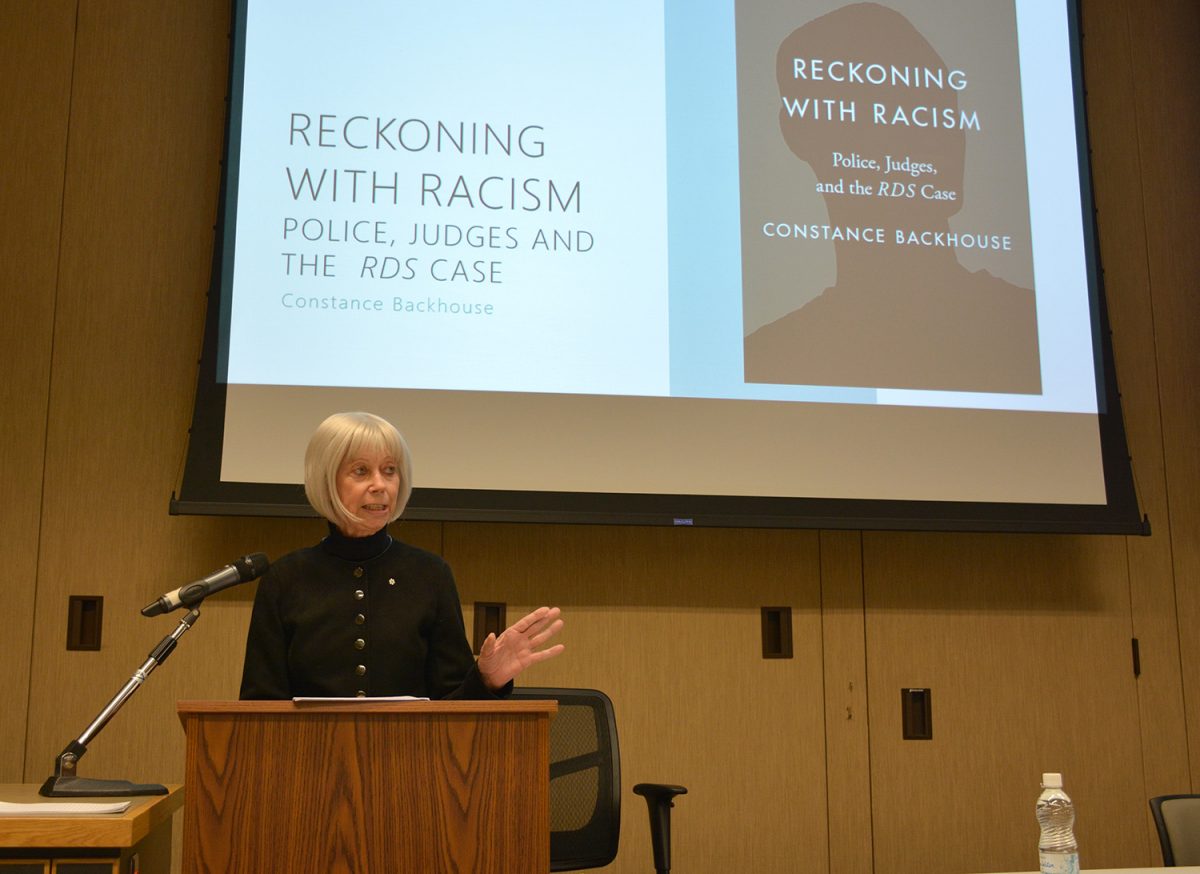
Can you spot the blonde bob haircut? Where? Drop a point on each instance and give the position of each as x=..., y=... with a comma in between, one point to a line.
x=339, y=437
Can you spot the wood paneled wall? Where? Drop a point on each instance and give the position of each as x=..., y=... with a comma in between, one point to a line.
x=110, y=188
x=1165, y=67
x=1128, y=110
x=35, y=67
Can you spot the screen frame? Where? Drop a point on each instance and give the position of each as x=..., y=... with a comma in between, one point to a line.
x=202, y=492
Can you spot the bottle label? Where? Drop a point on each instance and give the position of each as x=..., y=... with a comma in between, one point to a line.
x=1059, y=863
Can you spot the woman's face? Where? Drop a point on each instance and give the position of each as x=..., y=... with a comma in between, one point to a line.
x=368, y=485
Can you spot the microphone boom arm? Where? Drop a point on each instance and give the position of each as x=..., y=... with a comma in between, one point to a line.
x=65, y=783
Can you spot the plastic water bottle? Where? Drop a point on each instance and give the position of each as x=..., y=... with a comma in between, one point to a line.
x=1057, y=850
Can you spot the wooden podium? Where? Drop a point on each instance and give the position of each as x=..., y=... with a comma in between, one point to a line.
x=366, y=786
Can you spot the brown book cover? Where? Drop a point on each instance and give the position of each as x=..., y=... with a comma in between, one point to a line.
x=885, y=207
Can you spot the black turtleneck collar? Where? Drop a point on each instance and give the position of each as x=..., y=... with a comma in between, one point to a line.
x=356, y=548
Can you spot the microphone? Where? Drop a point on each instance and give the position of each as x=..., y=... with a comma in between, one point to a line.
x=247, y=568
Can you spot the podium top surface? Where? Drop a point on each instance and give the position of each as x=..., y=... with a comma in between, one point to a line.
x=103, y=830
x=365, y=705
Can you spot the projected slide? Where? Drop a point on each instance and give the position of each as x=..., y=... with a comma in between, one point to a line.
x=814, y=201
x=421, y=205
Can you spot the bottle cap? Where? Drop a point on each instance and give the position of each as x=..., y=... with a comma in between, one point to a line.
x=1051, y=781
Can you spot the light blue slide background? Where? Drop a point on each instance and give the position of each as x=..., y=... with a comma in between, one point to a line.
x=690, y=342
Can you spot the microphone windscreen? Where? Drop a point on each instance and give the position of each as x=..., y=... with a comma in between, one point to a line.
x=252, y=566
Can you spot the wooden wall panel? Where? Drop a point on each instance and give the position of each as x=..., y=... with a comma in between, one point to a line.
x=1024, y=642
x=36, y=41
x=847, y=728
x=138, y=209
x=1164, y=37
x=1116, y=162
x=667, y=622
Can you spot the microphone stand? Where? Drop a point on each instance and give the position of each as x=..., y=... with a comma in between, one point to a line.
x=65, y=783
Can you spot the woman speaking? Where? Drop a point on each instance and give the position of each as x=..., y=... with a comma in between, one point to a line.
x=361, y=613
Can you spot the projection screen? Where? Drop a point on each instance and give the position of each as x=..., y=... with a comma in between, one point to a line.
x=722, y=262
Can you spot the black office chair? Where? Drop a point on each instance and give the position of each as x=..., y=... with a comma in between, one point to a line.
x=585, y=783
x=585, y=778
x=1178, y=821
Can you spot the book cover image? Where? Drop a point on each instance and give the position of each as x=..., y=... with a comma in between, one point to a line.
x=884, y=196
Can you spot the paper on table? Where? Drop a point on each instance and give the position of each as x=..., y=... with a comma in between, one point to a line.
x=62, y=808
x=303, y=700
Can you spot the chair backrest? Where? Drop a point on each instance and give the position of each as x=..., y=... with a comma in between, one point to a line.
x=585, y=778
x=1178, y=821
